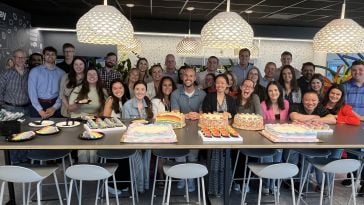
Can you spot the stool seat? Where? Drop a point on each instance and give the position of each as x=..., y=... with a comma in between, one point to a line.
x=336, y=166
x=187, y=171
x=91, y=172
x=45, y=155
x=310, y=153
x=257, y=153
x=170, y=153
x=115, y=154
x=274, y=170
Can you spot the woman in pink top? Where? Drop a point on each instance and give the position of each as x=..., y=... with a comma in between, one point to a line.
x=275, y=107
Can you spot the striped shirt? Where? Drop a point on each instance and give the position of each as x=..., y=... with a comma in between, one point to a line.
x=354, y=96
x=14, y=87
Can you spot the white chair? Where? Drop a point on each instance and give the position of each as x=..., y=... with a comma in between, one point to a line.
x=165, y=154
x=185, y=171
x=30, y=174
x=360, y=155
x=122, y=154
x=273, y=171
x=332, y=166
x=91, y=172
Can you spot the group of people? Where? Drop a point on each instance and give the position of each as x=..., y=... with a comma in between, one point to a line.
x=46, y=89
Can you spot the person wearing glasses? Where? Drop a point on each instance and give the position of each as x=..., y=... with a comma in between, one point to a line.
x=68, y=53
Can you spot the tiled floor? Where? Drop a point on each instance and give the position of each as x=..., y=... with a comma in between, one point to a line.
x=341, y=196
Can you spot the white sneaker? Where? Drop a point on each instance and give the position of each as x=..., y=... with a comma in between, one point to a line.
x=181, y=184
x=113, y=191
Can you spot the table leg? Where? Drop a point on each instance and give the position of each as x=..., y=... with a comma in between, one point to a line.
x=227, y=176
x=10, y=184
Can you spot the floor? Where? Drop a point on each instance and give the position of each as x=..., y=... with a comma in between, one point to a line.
x=341, y=195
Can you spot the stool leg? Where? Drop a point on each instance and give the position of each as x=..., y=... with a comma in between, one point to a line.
x=275, y=192
x=292, y=191
x=106, y=192
x=132, y=180
x=165, y=190
x=70, y=193
x=135, y=183
x=187, y=193
x=198, y=191
x=28, y=197
x=232, y=177
x=169, y=190
x=97, y=191
x=116, y=196
x=80, y=196
x=2, y=192
x=301, y=185
x=260, y=190
x=23, y=187
x=244, y=178
x=154, y=179
x=322, y=188
x=57, y=187
x=243, y=194
x=288, y=156
x=353, y=187
x=64, y=175
x=38, y=192
x=203, y=191
x=332, y=187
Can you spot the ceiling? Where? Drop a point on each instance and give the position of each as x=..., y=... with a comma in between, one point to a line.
x=302, y=13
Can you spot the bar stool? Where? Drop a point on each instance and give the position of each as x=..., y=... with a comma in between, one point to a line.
x=165, y=154
x=332, y=166
x=273, y=171
x=360, y=155
x=49, y=155
x=185, y=171
x=117, y=155
x=91, y=172
x=255, y=153
x=28, y=174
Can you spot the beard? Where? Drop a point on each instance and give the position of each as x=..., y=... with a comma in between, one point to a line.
x=110, y=64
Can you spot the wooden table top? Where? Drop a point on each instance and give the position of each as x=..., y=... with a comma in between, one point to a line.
x=345, y=136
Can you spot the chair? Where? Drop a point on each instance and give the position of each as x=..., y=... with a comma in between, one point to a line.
x=273, y=171
x=91, y=172
x=122, y=154
x=29, y=174
x=185, y=171
x=332, y=166
x=166, y=154
x=49, y=155
x=360, y=155
x=255, y=153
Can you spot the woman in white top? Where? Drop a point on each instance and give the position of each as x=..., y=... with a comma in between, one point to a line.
x=162, y=101
x=119, y=95
x=71, y=80
x=152, y=87
x=142, y=65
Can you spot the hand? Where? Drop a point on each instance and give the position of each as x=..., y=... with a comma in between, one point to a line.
x=42, y=114
x=50, y=112
x=73, y=107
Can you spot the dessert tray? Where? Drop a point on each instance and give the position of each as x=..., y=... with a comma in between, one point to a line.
x=104, y=125
x=38, y=123
x=151, y=133
x=21, y=137
x=219, y=135
x=48, y=130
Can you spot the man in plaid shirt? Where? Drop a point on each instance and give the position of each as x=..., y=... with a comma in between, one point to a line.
x=108, y=73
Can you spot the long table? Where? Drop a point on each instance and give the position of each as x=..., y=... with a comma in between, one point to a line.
x=344, y=136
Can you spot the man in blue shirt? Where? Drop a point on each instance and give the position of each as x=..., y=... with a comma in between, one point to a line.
x=188, y=100
x=43, y=86
x=241, y=70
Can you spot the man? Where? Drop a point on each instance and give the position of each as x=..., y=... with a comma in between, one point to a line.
x=109, y=73
x=308, y=69
x=286, y=59
x=43, y=86
x=212, y=65
x=354, y=88
x=269, y=70
x=241, y=70
x=14, y=85
x=35, y=60
x=188, y=100
x=171, y=70
x=68, y=53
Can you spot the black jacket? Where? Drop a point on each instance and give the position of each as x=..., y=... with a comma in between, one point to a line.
x=209, y=104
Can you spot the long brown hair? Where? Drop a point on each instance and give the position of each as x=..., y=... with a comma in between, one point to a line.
x=149, y=110
x=83, y=94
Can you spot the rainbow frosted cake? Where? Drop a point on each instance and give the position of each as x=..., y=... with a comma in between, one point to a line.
x=176, y=119
x=22, y=136
x=248, y=121
x=214, y=120
x=47, y=130
x=152, y=133
x=289, y=133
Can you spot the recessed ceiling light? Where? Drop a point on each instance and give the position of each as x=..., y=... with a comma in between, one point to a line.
x=130, y=5
x=248, y=11
x=191, y=8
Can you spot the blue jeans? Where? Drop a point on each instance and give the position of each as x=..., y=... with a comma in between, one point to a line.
x=335, y=154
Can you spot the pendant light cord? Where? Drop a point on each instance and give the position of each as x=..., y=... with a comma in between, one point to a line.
x=189, y=25
x=343, y=10
x=228, y=6
x=105, y=2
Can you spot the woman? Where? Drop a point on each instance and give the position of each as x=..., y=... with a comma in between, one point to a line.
x=287, y=79
x=254, y=75
x=119, y=96
x=142, y=65
x=140, y=107
x=209, y=83
x=247, y=102
x=317, y=84
x=133, y=76
x=162, y=101
x=218, y=101
x=232, y=88
x=275, y=107
x=152, y=87
x=71, y=80
x=92, y=90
